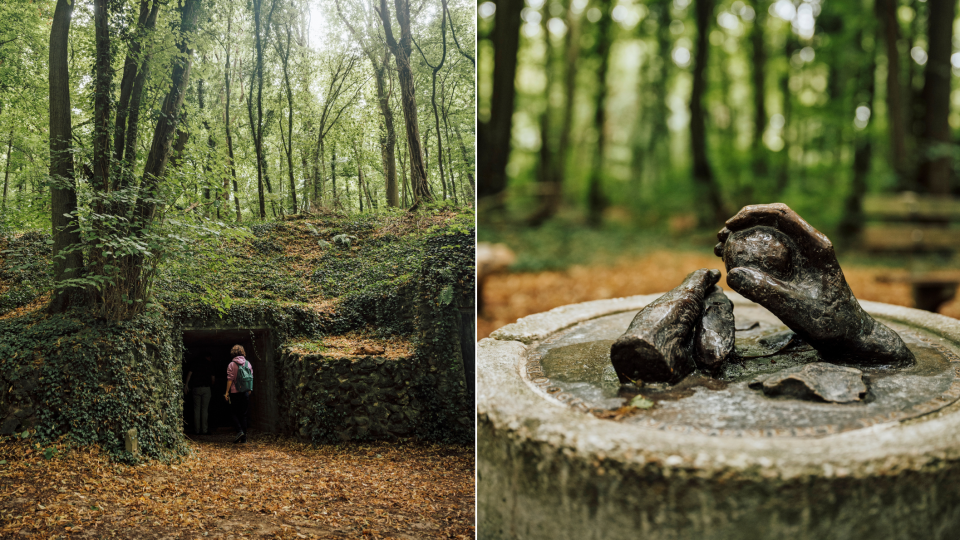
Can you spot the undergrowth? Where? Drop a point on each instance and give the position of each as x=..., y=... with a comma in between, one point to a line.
x=383, y=274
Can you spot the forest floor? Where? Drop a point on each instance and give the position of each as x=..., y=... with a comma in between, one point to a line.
x=509, y=296
x=268, y=488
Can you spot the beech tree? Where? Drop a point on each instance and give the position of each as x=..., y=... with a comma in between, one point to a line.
x=133, y=136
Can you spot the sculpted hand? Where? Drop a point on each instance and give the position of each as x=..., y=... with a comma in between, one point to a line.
x=781, y=262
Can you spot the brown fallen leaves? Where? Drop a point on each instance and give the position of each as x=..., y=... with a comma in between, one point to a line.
x=507, y=297
x=355, y=344
x=269, y=488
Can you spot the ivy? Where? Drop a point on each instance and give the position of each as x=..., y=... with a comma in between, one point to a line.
x=91, y=380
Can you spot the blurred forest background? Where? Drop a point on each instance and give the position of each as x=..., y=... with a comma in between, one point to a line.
x=617, y=135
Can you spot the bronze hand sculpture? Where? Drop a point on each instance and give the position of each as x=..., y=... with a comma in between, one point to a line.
x=781, y=262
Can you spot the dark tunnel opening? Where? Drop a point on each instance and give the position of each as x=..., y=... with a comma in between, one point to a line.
x=217, y=342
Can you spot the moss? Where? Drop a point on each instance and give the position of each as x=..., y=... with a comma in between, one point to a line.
x=400, y=277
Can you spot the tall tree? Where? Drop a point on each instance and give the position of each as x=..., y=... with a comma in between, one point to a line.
x=283, y=49
x=342, y=89
x=226, y=123
x=596, y=199
x=67, y=258
x=261, y=35
x=379, y=55
x=493, y=135
x=136, y=68
x=6, y=171
x=550, y=159
x=937, y=154
x=401, y=50
x=712, y=210
x=758, y=48
x=887, y=14
x=433, y=94
x=853, y=218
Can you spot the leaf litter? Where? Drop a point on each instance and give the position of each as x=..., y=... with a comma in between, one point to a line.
x=509, y=296
x=272, y=487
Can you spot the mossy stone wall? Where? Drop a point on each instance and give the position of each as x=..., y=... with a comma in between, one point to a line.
x=63, y=374
x=337, y=399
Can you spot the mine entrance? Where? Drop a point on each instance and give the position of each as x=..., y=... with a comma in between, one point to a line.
x=217, y=342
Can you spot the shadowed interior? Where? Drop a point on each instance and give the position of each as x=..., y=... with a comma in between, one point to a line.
x=259, y=348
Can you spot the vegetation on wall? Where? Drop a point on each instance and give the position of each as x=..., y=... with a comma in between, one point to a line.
x=400, y=275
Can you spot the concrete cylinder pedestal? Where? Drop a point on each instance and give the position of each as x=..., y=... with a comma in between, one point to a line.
x=549, y=466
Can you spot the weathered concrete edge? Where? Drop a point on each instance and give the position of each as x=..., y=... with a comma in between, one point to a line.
x=506, y=404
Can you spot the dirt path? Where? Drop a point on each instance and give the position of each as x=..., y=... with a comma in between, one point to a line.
x=273, y=488
x=508, y=297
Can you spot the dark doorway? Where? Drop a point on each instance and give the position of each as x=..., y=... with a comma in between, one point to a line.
x=259, y=348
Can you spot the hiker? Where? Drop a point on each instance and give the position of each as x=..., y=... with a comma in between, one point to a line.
x=200, y=373
x=239, y=386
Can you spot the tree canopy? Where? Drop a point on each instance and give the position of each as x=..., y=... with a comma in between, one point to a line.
x=123, y=122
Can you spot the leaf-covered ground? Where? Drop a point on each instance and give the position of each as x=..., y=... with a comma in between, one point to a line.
x=507, y=297
x=268, y=488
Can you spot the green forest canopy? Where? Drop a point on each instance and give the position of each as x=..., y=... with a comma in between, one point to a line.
x=221, y=111
x=702, y=106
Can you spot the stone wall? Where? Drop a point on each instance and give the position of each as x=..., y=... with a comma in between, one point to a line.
x=92, y=381
x=328, y=399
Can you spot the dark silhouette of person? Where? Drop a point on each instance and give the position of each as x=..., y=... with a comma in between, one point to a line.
x=239, y=401
x=200, y=380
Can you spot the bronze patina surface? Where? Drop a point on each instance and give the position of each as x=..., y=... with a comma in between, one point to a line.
x=781, y=262
x=572, y=367
x=816, y=381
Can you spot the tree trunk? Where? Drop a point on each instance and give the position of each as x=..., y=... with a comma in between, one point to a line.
x=360, y=191
x=229, y=136
x=401, y=52
x=318, y=195
x=333, y=176
x=596, y=200
x=467, y=158
x=6, y=171
x=256, y=127
x=169, y=117
x=289, y=148
x=388, y=137
x=550, y=161
x=852, y=222
x=887, y=13
x=658, y=145
x=709, y=205
x=493, y=135
x=103, y=81
x=208, y=195
x=936, y=167
x=403, y=177
x=67, y=258
x=758, y=44
x=388, y=133
x=135, y=72
x=433, y=94
x=783, y=175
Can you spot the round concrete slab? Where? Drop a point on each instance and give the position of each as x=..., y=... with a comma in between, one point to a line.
x=548, y=468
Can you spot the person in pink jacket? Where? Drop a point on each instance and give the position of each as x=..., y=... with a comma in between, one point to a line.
x=239, y=401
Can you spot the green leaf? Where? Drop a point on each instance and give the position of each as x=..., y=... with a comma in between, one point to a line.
x=641, y=402
x=446, y=295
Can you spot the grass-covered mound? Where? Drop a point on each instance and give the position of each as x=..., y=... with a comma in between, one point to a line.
x=309, y=279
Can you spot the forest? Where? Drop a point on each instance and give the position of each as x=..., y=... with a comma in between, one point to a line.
x=186, y=178
x=128, y=124
x=643, y=111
